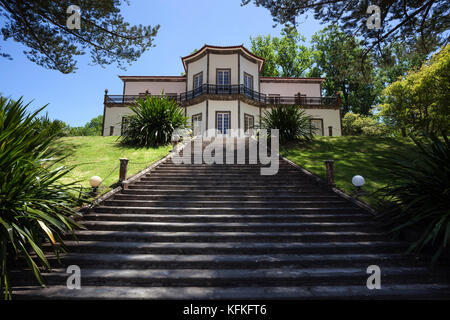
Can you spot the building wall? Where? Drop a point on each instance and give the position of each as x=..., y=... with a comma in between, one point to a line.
x=291, y=89
x=250, y=110
x=196, y=109
x=113, y=117
x=154, y=87
x=331, y=117
x=194, y=68
x=250, y=68
x=223, y=61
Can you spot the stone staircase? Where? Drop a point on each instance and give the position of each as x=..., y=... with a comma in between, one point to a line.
x=226, y=232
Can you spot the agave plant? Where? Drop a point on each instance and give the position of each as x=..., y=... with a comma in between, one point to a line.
x=153, y=121
x=418, y=195
x=34, y=205
x=292, y=122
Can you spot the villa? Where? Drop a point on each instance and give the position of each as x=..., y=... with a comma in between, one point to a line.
x=223, y=89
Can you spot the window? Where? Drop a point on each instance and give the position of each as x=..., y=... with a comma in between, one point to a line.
x=317, y=126
x=198, y=82
x=274, y=99
x=249, y=122
x=223, y=80
x=248, y=81
x=223, y=121
x=197, y=124
x=111, y=130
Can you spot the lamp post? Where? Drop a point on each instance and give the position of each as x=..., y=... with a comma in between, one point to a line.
x=94, y=181
x=358, y=181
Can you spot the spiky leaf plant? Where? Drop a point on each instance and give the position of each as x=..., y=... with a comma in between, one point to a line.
x=418, y=195
x=292, y=122
x=34, y=205
x=153, y=121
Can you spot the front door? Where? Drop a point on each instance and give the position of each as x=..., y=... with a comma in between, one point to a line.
x=223, y=122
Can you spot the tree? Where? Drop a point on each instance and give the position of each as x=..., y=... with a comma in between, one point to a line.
x=354, y=124
x=420, y=101
x=92, y=128
x=405, y=21
x=397, y=59
x=285, y=56
x=337, y=57
x=41, y=25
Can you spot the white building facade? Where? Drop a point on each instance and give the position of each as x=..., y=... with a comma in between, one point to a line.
x=222, y=89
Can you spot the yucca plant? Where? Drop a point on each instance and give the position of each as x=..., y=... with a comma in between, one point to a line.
x=34, y=205
x=153, y=121
x=291, y=121
x=418, y=195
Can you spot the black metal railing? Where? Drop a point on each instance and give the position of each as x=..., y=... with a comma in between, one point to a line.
x=228, y=89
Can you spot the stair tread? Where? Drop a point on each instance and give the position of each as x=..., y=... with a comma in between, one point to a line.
x=235, y=245
x=242, y=292
x=285, y=272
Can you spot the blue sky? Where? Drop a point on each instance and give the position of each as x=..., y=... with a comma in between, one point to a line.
x=185, y=25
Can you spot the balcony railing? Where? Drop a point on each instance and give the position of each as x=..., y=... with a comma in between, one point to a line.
x=212, y=89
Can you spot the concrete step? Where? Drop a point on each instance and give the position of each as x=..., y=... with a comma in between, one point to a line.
x=233, y=261
x=289, y=277
x=224, y=210
x=145, y=236
x=188, y=203
x=235, y=247
x=394, y=291
x=226, y=226
x=281, y=166
x=135, y=190
x=205, y=197
x=210, y=183
x=342, y=217
x=235, y=187
x=217, y=172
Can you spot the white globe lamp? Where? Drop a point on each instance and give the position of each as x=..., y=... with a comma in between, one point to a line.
x=358, y=181
x=95, y=181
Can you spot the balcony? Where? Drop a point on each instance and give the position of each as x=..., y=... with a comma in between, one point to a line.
x=230, y=91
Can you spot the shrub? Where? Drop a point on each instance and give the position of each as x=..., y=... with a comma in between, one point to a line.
x=92, y=128
x=153, y=122
x=293, y=123
x=354, y=124
x=418, y=194
x=34, y=206
x=52, y=127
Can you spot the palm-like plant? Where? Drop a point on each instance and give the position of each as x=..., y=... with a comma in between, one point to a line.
x=292, y=122
x=153, y=122
x=418, y=195
x=34, y=206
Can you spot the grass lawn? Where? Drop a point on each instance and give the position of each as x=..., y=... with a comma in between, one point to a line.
x=99, y=156
x=352, y=155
